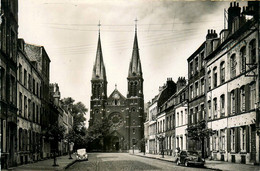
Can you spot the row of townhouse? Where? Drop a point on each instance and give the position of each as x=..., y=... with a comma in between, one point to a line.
x=222, y=91
x=26, y=105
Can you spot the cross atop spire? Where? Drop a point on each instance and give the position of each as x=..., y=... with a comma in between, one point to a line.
x=99, y=25
x=136, y=24
x=135, y=68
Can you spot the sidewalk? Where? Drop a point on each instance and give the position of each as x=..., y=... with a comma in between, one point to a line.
x=210, y=164
x=63, y=162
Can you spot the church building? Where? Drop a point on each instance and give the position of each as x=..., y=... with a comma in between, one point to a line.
x=126, y=113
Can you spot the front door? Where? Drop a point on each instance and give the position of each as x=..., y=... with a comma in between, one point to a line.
x=115, y=143
x=253, y=143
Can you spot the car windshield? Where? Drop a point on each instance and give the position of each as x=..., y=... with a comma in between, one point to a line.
x=193, y=153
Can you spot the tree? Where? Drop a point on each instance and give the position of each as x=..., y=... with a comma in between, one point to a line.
x=55, y=133
x=199, y=132
x=97, y=133
x=78, y=111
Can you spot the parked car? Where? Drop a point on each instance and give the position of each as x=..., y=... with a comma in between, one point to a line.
x=81, y=154
x=189, y=158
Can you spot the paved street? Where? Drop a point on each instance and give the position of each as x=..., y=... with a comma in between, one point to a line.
x=124, y=161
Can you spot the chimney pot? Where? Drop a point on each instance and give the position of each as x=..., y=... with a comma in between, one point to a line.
x=208, y=31
x=230, y=4
x=238, y=4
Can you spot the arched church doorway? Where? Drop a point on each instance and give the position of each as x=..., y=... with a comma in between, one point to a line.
x=115, y=143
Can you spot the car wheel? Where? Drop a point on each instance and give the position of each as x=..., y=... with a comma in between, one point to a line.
x=178, y=162
x=186, y=163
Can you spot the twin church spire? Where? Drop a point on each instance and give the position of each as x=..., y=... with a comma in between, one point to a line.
x=99, y=71
x=135, y=69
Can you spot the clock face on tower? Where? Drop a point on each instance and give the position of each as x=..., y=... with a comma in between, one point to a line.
x=116, y=120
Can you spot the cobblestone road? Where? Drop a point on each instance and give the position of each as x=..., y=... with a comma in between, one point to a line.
x=125, y=162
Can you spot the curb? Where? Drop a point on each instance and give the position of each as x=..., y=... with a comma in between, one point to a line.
x=155, y=158
x=174, y=162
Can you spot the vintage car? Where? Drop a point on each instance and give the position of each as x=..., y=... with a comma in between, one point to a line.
x=82, y=154
x=189, y=158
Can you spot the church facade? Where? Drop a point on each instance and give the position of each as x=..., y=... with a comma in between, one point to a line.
x=125, y=113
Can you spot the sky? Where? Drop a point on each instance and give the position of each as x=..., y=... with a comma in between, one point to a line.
x=168, y=33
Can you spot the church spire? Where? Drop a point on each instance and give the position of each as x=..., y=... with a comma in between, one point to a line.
x=135, y=68
x=99, y=71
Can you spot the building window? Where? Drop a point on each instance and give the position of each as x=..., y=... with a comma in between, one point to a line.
x=215, y=77
x=163, y=125
x=3, y=36
x=196, y=114
x=222, y=140
x=185, y=117
x=233, y=65
x=133, y=130
x=20, y=103
x=29, y=109
x=33, y=86
x=222, y=72
x=20, y=73
x=2, y=83
x=202, y=112
x=243, y=59
x=209, y=108
x=242, y=99
x=25, y=78
x=181, y=118
x=191, y=68
x=202, y=59
x=233, y=105
x=181, y=138
x=209, y=79
x=215, y=107
x=202, y=86
x=243, y=138
x=196, y=64
x=30, y=82
x=170, y=122
x=252, y=48
x=191, y=91
x=25, y=106
x=252, y=98
x=214, y=142
x=191, y=116
x=196, y=89
x=232, y=135
x=222, y=105
x=33, y=112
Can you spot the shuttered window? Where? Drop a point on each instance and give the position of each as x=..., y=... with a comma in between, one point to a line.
x=252, y=95
x=222, y=72
x=243, y=59
x=242, y=99
x=209, y=108
x=233, y=64
x=209, y=80
x=252, y=48
x=243, y=138
x=232, y=136
x=232, y=103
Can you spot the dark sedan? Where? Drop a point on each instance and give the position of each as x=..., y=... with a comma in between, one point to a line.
x=189, y=158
